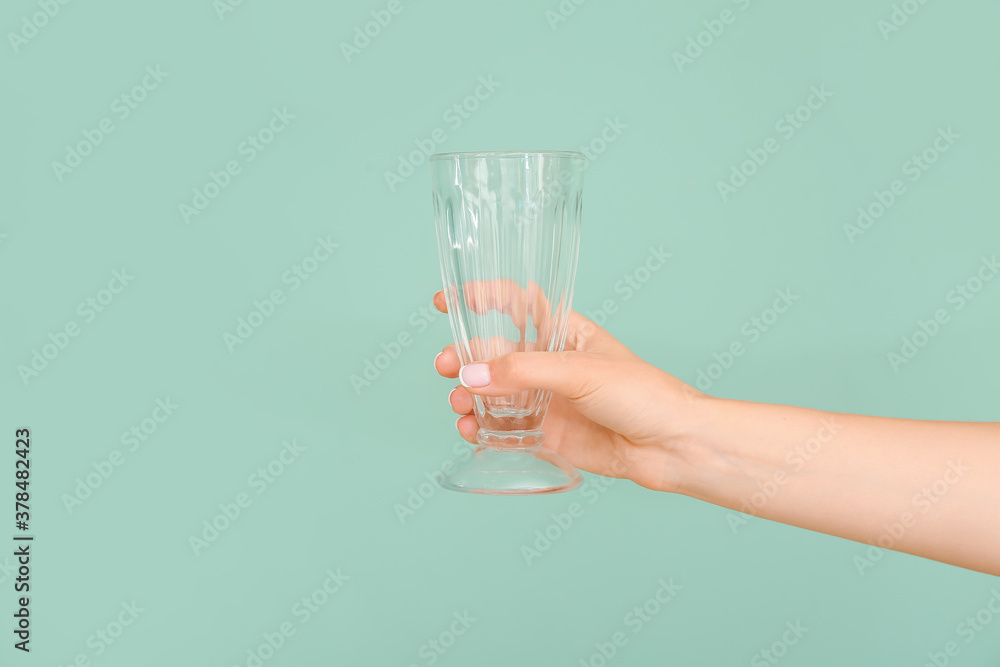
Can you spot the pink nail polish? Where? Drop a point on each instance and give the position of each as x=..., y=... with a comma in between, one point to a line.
x=475, y=375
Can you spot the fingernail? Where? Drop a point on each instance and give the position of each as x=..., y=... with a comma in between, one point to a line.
x=436, y=359
x=450, y=393
x=475, y=375
x=458, y=420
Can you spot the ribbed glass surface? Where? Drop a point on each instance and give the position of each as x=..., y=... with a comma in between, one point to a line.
x=508, y=230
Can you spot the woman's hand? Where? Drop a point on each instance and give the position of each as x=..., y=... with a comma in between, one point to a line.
x=611, y=412
x=928, y=488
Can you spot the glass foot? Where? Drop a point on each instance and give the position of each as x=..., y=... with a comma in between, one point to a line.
x=513, y=472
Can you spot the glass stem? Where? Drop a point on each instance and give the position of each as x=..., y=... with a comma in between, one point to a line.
x=510, y=440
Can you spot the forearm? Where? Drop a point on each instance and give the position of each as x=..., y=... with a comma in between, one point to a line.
x=927, y=488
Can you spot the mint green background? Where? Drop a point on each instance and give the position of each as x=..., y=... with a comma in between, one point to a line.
x=335, y=506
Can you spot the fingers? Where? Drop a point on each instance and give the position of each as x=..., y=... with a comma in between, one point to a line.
x=446, y=363
x=468, y=427
x=521, y=305
x=505, y=296
x=462, y=404
x=461, y=401
x=569, y=374
x=440, y=302
x=494, y=346
x=582, y=333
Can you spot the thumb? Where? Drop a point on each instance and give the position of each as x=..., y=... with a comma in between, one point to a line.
x=570, y=374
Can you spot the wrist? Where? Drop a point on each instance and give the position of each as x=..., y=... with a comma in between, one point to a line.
x=727, y=451
x=689, y=448
x=680, y=457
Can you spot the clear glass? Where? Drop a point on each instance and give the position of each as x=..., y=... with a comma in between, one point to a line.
x=508, y=231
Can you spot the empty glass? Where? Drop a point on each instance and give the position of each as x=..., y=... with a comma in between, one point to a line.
x=508, y=230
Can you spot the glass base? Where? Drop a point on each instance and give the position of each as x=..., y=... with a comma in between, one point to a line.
x=506, y=471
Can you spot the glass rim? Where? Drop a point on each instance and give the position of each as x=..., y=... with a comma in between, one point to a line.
x=475, y=155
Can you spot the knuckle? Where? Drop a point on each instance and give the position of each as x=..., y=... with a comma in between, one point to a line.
x=512, y=367
x=579, y=369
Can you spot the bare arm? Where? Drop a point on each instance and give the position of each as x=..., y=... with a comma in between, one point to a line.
x=927, y=488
